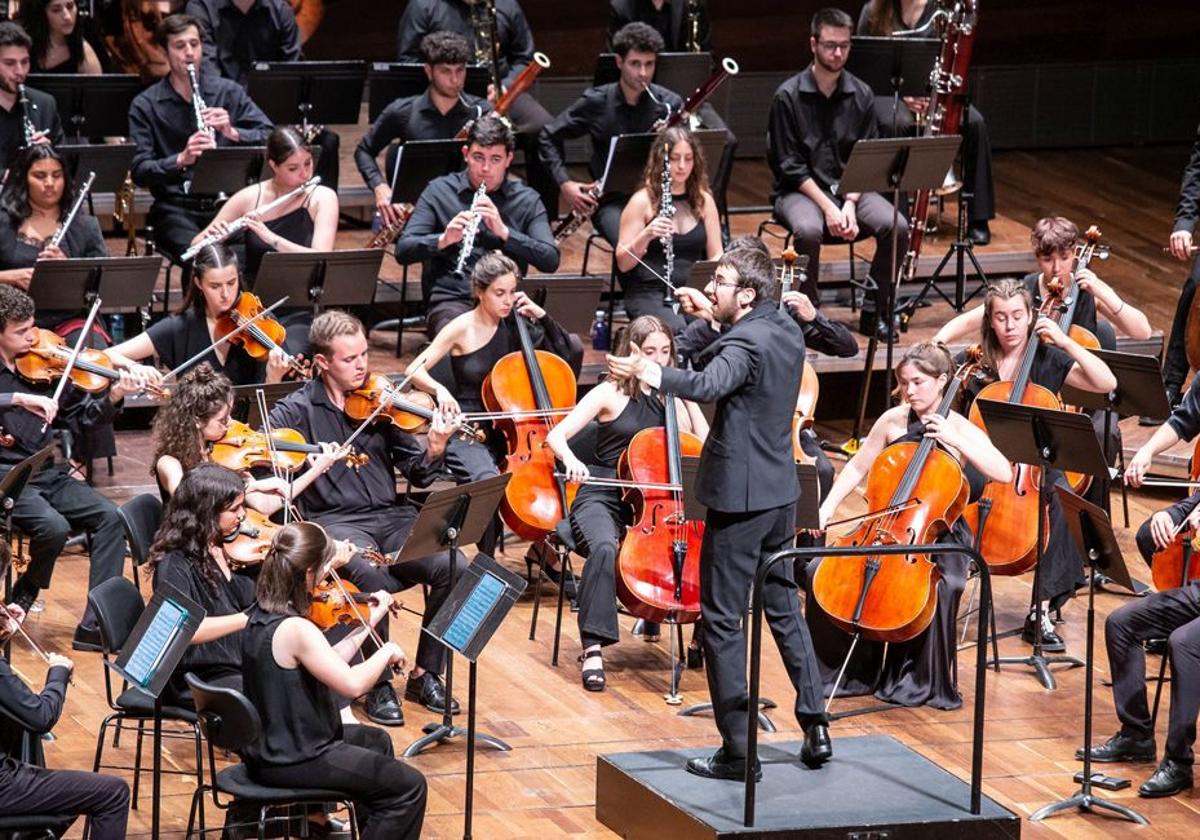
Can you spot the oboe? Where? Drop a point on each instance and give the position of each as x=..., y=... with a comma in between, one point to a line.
x=472, y=228
x=666, y=210
x=198, y=104
x=26, y=123
x=59, y=234
x=239, y=223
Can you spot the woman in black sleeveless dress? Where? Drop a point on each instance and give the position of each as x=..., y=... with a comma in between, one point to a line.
x=293, y=676
x=599, y=516
x=923, y=670
x=59, y=45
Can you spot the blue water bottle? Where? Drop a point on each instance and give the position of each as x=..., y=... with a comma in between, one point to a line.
x=600, y=331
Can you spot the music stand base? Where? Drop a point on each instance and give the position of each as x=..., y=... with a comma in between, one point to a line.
x=436, y=733
x=1101, y=585
x=864, y=710
x=1086, y=801
x=1040, y=664
x=764, y=722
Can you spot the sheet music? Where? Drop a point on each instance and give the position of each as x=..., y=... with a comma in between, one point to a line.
x=156, y=641
x=474, y=611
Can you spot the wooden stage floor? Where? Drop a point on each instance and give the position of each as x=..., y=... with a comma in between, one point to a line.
x=545, y=787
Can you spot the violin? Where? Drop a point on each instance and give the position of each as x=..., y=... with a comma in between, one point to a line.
x=260, y=337
x=658, y=567
x=333, y=604
x=412, y=412
x=242, y=449
x=46, y=361
x=923, y=490
x=528, y=385
x=247, y=546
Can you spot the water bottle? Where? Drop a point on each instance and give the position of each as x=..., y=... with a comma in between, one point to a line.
x=600, y=331
x=376, y=223
x=116, y=324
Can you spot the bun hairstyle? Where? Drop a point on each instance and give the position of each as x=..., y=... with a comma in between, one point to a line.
x=283, y=581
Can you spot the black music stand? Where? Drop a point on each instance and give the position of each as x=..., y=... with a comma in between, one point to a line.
x=245, y=405
x=1060, y=440
x=388, y=82
x=327, y=92
x=12, y=485
x=1093, y=534
x=418, y=162
x=90, y=106
x=225, y=170
x=320, y=278
x=573, y=300
x=627, y=154
x=110, y=162
x=125, y=284
x=447, y=519
x=894, y=67
x=681, y=72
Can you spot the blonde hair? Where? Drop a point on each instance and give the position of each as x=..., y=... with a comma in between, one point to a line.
x=329, y=325
x=1001, y=290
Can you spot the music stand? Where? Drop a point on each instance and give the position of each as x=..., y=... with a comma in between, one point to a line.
x=320, y=278
x=88, y=105
x=572, y=299
x=418, y=162
x=1050, y=439
x=12, y=485
x=387, y=82
x=110, y=162
x=894, y=67
x=326, y=92
x=245, y=405
x=447, y=519
x=225, y=170
x=125, y=284
x=1092, y=531
x=627, y=154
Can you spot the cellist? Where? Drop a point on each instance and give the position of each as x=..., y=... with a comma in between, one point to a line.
x=621, y=407
x=922, y=671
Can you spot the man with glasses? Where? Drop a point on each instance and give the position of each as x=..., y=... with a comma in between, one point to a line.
x=816, y=118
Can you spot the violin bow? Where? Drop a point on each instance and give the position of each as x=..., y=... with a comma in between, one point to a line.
x=79, y=343
x=245, y=325
x=375, y=637
x=641, y=262
x=24, y=634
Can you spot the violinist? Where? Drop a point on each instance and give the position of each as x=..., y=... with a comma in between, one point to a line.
x=293, y=676
x=693, y=226
x=29, y=789
x=474, y=342
x=924, y=670
x=1009, y=324
x=214, y=290
x=361, y=505
x=1183, y=424
x=621, y=409
x=747, y=480
x=53, y=503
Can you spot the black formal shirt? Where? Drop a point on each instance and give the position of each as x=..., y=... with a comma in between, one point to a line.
x=671, y=22
x=161, y=121
x=36, y=713
x=76, y=409
x=234, y=41
x=344, y=490
x=601, y=113
x=179, y=337
x=529, y=242
x=810, y=135
x=422, y=17
x=1188, y=209
x=1185, y=419
x=44, y=116
x=412, y=118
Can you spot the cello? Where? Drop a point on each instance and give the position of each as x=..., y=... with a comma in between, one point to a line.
x=530, y=384
x=658, y=567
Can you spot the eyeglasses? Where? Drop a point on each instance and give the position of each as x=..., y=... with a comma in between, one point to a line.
x=834, y=46
x=719, y=283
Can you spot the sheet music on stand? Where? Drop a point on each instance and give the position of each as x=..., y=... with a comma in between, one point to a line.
x=808, y=503
x=90, y=105
x=125, y=284
x=881, y=62
x=159, y=640
x=110, y=161
x=227, y=169
x=627, y=154
x=418, y=162
x=476, y=607
x=325, y=92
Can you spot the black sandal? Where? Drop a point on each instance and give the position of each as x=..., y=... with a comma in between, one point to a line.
x=593, y=678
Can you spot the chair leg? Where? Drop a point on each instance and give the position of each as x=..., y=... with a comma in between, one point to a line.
x=564, y=568
x=353, y=819
x=197, y=805
x=1162, y=673
x=137, y=764
x=262, y=822
x=117, y=734
x=100, y=743
x=199, y=754
x=537, y=602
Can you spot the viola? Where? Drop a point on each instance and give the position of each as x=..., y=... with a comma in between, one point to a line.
x=1179, y=563
x=46, y=361
x=527, y=385
x=242, y=449
x=260, y=337
x=332, y=604
x=248, y=545
x=892, y=598
x=413, y=411
x=658, y=567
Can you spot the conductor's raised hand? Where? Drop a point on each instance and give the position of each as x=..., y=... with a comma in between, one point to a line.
x=693, y=301
x=626, y=367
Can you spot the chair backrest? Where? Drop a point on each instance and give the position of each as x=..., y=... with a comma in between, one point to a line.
x=226, y=716
x=118, y=606
x=141, y=516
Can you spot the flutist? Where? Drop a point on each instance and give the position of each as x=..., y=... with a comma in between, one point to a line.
x=165, y=123
x=37, y=117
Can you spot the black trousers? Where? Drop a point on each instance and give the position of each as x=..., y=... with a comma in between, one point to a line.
x=597, y=523
x=25, y=789
x=1174, y=614
x=389, y=794
x=474, y=461
x=51, y=504
x=529, y=117
x=1175, y=364
x=607, y=218
x=387, y=530
x=734, y=546
x=175, y=226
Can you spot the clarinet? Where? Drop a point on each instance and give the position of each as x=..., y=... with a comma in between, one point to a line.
x=26, y=123
x=240, y=222
x=472, y=228
x=198, y=104
x=666, y=210
x=57, y=238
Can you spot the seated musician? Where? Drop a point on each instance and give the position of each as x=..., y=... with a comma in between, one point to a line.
x=886, y=17
x=923, y=670
x=294, y=676
x=510, y=219
x=362, y=505
x=1182, y=425
x=1182, y=247
x=29, y=789
x=163, y=126
x=622, y=408
x=437, y=114
x=695, y=230
x=1009, y=324
x=515, y=52
x=53, y=502
x=214, y=289
x=59, y=45
x=816, y=118
x=474, y=341
x=40, y=119
x=682, y=28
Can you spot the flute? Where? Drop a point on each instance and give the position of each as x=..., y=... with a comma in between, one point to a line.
x=239, y=223
x=61, y=233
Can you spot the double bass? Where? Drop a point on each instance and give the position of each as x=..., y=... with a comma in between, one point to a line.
x=810, y=385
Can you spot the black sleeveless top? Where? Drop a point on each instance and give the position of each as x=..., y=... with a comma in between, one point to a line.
x=690, y=247
x=916, y=433
x=470, y=369
x=296, y=226
x=299, y=713
x=643, y=411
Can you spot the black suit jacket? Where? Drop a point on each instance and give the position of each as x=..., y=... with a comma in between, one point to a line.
x=753, y=374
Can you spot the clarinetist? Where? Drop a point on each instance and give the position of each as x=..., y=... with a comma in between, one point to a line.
x=40, y=110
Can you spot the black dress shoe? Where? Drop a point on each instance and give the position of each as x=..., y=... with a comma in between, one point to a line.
x=87, y=639
x=428, y=690
x=383, y=707
x=979, y=233
x=1122, y=747
x=817, y=747
x=1155, y=647
x=695, y=658
x=1170, y=778
x=1051, y=641
x=720, y=766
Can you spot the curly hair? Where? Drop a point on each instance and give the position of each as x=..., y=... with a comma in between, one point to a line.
x=15, y=198
x=282, y=586
x=697, y=181
x=189, y=524
x=201, y=395
x=33, y=16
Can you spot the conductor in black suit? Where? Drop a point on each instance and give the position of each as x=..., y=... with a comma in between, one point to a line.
x=747, y=480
